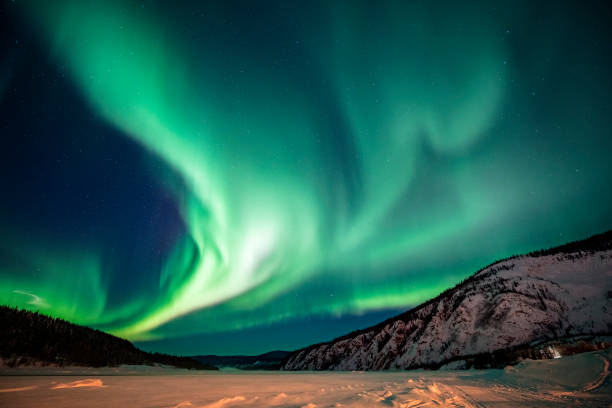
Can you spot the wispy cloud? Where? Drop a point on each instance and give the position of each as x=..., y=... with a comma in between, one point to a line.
x=35, y=299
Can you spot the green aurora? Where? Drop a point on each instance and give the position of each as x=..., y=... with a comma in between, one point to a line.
x=326, y=159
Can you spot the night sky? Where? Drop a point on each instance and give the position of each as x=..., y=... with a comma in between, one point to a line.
x=235, y=177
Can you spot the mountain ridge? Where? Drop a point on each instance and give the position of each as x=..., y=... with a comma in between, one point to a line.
x=572, y=251
x=31, y=337
x=266, y=361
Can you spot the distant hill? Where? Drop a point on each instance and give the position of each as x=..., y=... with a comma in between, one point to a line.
x=524, y=306
x=27, y=337
x=267, y=361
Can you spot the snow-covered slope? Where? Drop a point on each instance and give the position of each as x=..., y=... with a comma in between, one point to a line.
x=564, y=291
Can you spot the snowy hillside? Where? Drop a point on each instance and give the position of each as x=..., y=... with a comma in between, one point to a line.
x=564, y=291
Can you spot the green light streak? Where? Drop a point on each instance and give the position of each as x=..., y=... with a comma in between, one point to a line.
x=367, y=171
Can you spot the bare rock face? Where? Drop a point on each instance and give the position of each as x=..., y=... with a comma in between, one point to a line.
x=549, y=294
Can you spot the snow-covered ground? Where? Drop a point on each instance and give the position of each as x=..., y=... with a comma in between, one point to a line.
x=580, y=380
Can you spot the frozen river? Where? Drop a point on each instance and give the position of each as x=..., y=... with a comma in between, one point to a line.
x=580, y=380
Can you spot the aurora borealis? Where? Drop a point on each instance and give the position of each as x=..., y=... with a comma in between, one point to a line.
x=181, y=174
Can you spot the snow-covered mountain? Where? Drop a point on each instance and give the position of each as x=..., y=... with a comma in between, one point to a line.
x=548, y=294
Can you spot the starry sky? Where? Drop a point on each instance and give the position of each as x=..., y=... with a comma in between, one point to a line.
x=236, y=177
